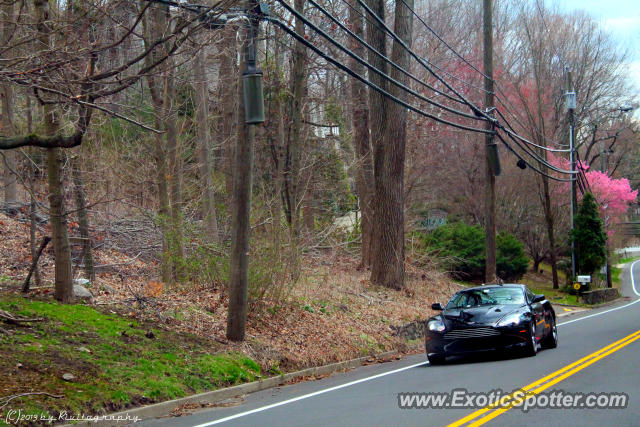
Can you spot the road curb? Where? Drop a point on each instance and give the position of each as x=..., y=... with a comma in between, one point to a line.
x=165, y=408
x=575, y=310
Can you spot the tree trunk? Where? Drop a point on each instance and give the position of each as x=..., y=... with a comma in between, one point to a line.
x=228, y=106
x=83, y=219
x=377, y=108
x=207, y=206
x=298, y=81
x=33, y=207
x=153, y=28
x=277, y=149
x=58, y=219
x=536, y=265
x=163, y=204
x=9, y=159
x=388, y=266
x=9, y=180
x=292, y=178
x=548, y=218
x=57, y=215
x=34, y=263
x=362, y=142
x=174, y=168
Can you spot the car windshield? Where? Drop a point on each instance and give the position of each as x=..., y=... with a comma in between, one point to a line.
x=489, y=296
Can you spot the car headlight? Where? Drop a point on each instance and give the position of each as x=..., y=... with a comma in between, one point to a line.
x=510, y=319
x=435, y=325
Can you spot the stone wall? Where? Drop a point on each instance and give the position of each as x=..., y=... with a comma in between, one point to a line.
x=597, y=296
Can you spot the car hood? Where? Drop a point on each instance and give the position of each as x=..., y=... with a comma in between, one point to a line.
x=476, y=316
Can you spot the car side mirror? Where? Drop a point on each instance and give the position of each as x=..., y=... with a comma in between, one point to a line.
x=538, y=298
x=437, y=306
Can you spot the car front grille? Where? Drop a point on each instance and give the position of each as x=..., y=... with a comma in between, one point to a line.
x=471, y=333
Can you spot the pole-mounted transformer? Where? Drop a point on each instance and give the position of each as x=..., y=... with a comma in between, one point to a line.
x=494, y=158
x=252, y=90
x=252, y=77
x=253, y=95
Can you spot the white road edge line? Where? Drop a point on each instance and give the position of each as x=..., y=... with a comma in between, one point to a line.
x=633, y=282
x=395, y=371
x=306, y=396
x=633, y=286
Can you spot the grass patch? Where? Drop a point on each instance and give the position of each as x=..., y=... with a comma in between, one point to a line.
x=615, y=274
x=616, y=259
x=115, y=364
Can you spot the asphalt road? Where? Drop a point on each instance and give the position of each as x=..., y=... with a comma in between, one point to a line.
x=368, y=396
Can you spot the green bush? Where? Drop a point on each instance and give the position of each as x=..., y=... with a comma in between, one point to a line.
x=511, y=262
x=462, y=250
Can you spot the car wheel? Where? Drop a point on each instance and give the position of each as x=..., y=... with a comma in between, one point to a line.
x=532, y=345
x=551, y=340
x=436, y=359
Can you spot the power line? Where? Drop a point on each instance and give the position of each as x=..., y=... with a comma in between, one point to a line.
x=393, y=64
x=446, y=44
x=285, y=27
x=512, y=130
x=535, y=155
x=397, y=39
x=370, y=22
x=479, y=115
x=515, y=153
x=347, y=70
x=514, y=133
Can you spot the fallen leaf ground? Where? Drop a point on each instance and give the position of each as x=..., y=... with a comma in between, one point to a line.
x=332, y=314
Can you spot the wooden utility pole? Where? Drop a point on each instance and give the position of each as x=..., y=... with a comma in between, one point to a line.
x=241, y=208
x=490, y=148
x=570, y=103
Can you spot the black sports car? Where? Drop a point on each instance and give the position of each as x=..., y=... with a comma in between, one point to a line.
x=490, y=318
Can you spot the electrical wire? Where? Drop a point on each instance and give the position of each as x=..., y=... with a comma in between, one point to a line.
x=347, y=70
x=496, y=86
x=447, y=44
x=370, y=22
x=582, y=171
x=397, y=39
x=416, y=79
x=478, y=113
x=341, y=66
x=537, y=157
x=510, y=130
x=515, y=153
x=382, y=74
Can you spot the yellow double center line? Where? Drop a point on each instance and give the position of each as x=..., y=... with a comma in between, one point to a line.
x=516, y=398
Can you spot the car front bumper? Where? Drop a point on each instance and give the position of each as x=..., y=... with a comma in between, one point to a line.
x=465, y=341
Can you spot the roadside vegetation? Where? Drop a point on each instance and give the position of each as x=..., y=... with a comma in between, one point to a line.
x=140, y=341
x=100, y=360
x=197, y=244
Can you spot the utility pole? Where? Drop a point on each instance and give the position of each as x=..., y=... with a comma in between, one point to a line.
x=251, y=102
x=570, y=105
x=491, y=152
